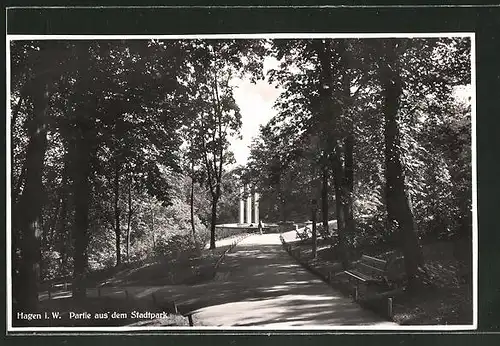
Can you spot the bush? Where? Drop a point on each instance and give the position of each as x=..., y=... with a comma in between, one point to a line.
x=174, y=246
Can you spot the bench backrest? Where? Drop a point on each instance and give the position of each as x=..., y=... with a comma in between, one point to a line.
x=396, y=268
x=372, y=266
x=374, y=262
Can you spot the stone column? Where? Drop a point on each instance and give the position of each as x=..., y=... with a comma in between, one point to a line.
x=256, y=207
x=249, y=206
x=242, y=205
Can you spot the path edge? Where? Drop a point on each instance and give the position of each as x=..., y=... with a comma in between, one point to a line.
x=341, y=288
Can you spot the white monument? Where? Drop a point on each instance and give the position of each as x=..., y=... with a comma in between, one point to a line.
x=252, y=206
x=242, y=205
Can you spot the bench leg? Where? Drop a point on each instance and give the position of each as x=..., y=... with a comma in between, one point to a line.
x=356, y=293
x=190, y=319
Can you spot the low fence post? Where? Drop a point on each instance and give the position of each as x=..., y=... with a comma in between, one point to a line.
x=389, y=308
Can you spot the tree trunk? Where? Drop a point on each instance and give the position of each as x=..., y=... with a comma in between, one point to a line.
x=28, y=211
x=314, y=230
x=81, y=193
x=191, y=206
x=348, y=179
x=81, y=141
x=398, y=205
x=62, y=244
x=350, y=225
x=47, y=242
x=324, y=200
x=117, y=212
x=153, y=227
x=17, y=185
x=281, y=193
x=17, y=107
x=215, y=200
x=330, y=116
x=129, y=216
x=339, y=208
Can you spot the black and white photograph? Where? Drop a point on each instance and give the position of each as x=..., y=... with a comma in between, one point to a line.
x=241, y=182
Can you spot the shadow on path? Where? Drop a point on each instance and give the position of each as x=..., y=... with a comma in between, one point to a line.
x=260, y=285
x=257, y=284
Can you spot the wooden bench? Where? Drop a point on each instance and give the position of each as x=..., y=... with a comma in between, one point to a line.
x=58, y=286
x=375, y=271
x=306, y=233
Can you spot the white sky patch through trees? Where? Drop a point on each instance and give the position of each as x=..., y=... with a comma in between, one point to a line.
x=256, y=106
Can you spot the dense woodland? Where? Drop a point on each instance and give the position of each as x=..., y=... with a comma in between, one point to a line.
x=120, y=149
x=379, y=134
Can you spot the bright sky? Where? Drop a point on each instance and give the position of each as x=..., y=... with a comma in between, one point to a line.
x=256, y=105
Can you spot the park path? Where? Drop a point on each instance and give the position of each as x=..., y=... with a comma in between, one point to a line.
x=259, y=284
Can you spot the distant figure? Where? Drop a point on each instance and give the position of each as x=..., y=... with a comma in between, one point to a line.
x=260, y=227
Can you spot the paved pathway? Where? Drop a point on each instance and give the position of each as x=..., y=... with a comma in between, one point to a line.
x=259, y=284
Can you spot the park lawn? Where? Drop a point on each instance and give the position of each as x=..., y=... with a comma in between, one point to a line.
x=166, y=271
x=448, y=301
x=188, y=269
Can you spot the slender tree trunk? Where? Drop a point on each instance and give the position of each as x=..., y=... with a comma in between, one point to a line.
x=398, y=205
x=17, y=184
x=28, y=211
x=63, y=236
x=17, y=107
x=81, y=193
x=16, y=188
x=215, y=200
x=282, y=201
x=349, y=184
x=129, y=216
x=117, y=212
x=314, y=230
x=340, y=208
x=324, y=200
x=191, y=206
x=153, y=227
x=59, y=228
